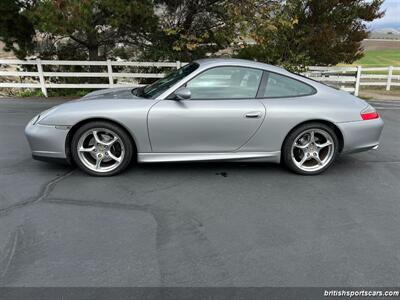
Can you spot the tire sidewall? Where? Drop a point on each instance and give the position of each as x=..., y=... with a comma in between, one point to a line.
x=110, y=126
x=287, y=147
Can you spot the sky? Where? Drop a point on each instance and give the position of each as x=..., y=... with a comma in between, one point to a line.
x=391, y=18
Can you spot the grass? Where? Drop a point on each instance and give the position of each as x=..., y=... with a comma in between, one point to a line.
x=30, y=93
x=379, y=58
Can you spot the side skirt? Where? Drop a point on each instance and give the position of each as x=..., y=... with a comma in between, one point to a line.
x=217, y=156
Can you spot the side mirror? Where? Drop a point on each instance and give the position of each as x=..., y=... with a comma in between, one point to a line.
x=183, y=94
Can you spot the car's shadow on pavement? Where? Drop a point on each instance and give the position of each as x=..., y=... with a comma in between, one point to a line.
x=343, y=164
x=222, y=168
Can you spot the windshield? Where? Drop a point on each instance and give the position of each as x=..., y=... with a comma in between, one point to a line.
x=157, y=88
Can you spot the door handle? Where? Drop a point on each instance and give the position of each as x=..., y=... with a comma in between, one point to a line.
x=253, y=115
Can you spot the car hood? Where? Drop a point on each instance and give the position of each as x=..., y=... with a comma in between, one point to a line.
x=97, y=103
x=113, y=93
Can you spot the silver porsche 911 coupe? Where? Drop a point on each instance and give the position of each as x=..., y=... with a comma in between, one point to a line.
x=209, y=110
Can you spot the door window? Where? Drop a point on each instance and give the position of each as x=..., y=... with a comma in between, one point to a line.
x=225, y=83
x=283, y=86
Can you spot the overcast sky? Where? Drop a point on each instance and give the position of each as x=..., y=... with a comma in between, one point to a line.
x=391, y=18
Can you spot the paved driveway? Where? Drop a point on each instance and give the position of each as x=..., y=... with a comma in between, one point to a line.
x=226, y=224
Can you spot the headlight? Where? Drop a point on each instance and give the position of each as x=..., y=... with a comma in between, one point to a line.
x=42, y=115
x=35, y=119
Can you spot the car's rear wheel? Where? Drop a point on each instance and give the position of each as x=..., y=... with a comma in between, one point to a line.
x=101, y=148
x=310, y=149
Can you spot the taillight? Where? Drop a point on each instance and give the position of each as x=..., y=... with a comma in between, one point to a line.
x=369, y=113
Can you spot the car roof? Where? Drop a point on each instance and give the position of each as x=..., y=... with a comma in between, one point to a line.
x=206, y=63
x=209, y=62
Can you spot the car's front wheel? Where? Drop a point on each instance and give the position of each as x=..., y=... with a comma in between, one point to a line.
x=101, y=148
x=310, y=149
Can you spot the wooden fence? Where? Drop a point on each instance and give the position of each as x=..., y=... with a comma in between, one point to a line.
x=347, y=78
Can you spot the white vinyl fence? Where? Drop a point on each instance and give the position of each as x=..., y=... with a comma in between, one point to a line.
x=347, y=78
x=352, y=78
x=44, y=82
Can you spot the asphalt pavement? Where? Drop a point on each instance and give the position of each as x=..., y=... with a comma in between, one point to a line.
x=202, y=224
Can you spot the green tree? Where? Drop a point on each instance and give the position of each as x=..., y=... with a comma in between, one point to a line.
x=97, y=26
x=290, y=32
x=190, y=29
x=320, y=32
x=16, y=30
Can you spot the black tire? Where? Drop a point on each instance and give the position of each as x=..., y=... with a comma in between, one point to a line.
x=124, y=137
x=290, y=139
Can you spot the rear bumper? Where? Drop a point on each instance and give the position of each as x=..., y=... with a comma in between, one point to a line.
x=361, y=135
x=46, y=141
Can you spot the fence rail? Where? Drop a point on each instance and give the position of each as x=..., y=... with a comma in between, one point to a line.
x=347, y=78
x=352, y=78
x=44, y=84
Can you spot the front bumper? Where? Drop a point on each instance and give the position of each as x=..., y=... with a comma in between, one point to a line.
x=361, y=135
x=47, y=141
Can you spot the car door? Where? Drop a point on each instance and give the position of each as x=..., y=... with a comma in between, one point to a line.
x=221, y=115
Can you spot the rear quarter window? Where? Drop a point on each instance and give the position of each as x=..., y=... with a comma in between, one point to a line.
x=280, y=86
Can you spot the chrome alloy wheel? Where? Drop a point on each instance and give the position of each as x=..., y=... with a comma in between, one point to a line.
x=312, y=150
x=100, y=149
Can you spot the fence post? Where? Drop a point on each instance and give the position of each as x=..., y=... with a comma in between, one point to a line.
x=41, y=77
x=358, y=79
x=110, y=74
x=178, y=64
x=389, y=79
